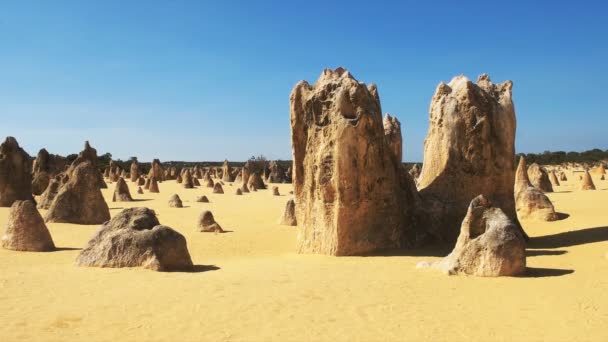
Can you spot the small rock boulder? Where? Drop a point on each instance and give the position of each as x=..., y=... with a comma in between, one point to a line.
x=489, y=244
x=175, y=202
x=289, y=216
x=275, y=191
x=202, y=199
x=539, y=178
x=206, y=223
x=135, y=238
x=217, y=189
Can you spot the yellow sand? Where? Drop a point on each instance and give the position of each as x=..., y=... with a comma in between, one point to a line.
x=262, y=291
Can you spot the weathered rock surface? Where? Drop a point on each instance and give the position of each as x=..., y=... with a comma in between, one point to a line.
x=539, y=178
x=121, y=192
x=530, y=202
x=226, y=174
x=256, y=181
x=553, y=178
x=175, y=201
x=153, y=186
x=349, y=189
x=289, y=215
x=26, y=230
x=392, y=134
x=206, y=223
x=202, y=199
x=217, y=188
x=45, y=167
x=156, y=171
x=135, y=238
x=469, y=150
x=489, y=244
x=134, y=171
x=15, y=173
x=48, y=196
x=80, y=200
x=276, y=174
x=587, y=182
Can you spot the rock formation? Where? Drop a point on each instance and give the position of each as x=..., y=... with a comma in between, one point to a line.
x=206, y=223
x=47, y=197
x=153, y=186
x=217, y=188
x=562, y=177
x=135, y=238
x=275, y=191
x=202, y=199
x=392, y=134
x=553, y=178
x=26, y=230
x=469, y=150
x=530, y=202
x=289, y=215
x=80, y=200
x=15, y=173
x=134, y=171
x=140, y=190
x=175, y=202
x=121, y=192
x=45, y=167
x=244, y=188
x=587, y=182
x=238, y=192
x=489, y=244
x=539, y=178
x=414, y=172
x=156, y=171
x=88, y=154
x=349, y=188
x=187, y=180
x=256, y=180
x=276, y=174
x=226, y=174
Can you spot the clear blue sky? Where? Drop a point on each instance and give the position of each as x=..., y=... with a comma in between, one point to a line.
x=208, y=80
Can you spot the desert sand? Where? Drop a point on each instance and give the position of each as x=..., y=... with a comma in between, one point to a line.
x=249, y=284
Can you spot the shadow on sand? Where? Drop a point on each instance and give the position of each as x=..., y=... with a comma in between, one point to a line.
x=562, y=216
x=538, y=252
x=427, y=251
x=571, y=238
x=61, y=249
x=537, y=272
x=197, y=269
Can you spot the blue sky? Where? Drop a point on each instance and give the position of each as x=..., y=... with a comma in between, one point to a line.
x=208, y=80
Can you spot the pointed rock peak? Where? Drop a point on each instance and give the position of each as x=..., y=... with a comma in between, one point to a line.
x=336, y=74
x=11, y=142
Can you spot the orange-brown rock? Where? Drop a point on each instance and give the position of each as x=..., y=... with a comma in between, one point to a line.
x=134, y=171
x=26, y=230
x=217, y=188
x=45, y=167
x=539, y=178
x=47, y=197
x=256, y=180
x=121, y=192
x=15, y=173
x=156, y=171
x=80, y=200
x=206, y=223
x=289, y=215
x=153, y=185
x=587, y=182
x=226, y=174
x=392, y=134
x=175, y=202
x=530, y=202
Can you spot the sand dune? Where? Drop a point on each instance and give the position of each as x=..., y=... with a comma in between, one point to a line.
x=250, y=285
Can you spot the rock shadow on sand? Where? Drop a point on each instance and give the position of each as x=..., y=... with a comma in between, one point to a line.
x=571, y=238
x=540, y=252
x=539, y=272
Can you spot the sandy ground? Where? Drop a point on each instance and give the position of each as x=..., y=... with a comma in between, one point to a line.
x=250, y=286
